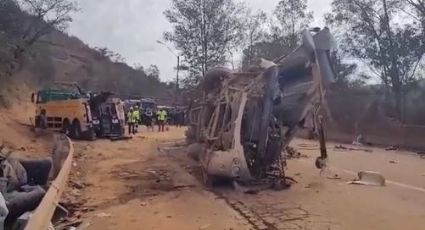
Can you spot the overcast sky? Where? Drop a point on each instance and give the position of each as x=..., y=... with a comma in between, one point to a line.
x=131, y=28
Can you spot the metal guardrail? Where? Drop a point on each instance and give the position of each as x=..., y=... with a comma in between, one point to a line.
x=41, y=218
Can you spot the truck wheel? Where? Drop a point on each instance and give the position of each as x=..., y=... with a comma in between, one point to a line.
x=92, y=135
x=76, y=130
x=66, y=128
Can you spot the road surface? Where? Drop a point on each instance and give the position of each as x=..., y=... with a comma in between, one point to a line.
x=148, y=182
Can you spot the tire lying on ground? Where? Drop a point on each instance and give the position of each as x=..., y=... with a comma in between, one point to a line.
x=20, y=202
x=24, y=180
x=23, y=184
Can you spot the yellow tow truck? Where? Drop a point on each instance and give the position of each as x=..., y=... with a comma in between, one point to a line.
x=65, y=110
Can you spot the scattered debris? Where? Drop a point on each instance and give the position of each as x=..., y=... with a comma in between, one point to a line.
x=84, y=225
x=342, y=147
x=421, y=154
x=177, y=187
x=204, y=227
x=334, y=177
x=76, y=192
x=369, y=178
x=103, y=214
x=76, y=184
x=359, y=141
x=391, y=148
x=122, y=138
x=303, y=145
x=69, y=224
x=294, y=153
x=314, y=185
x=329, y=174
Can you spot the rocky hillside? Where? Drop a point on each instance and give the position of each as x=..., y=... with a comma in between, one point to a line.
x=59, y=57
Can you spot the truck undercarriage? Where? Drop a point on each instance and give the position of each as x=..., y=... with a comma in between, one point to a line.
x=246, y=120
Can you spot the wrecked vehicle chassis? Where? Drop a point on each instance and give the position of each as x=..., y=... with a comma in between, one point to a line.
x=245, y=120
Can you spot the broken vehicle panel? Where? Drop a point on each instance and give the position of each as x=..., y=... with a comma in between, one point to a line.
x=245, y=120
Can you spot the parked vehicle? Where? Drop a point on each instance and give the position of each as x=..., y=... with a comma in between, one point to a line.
x=63, y=109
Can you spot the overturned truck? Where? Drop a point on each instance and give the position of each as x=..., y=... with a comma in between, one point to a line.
x=244, y=121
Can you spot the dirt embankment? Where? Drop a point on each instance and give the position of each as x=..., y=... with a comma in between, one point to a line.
x=15, y=130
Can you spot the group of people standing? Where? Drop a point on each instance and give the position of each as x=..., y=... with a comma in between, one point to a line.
x=134, y=118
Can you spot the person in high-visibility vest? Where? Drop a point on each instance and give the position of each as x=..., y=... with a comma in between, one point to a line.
x=130, y=121
x=161, y=116
x=136, y=114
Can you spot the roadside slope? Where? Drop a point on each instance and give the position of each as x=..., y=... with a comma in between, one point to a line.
x=15, y=132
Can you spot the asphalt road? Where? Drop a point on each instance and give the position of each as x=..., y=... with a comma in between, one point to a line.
x=134, y=185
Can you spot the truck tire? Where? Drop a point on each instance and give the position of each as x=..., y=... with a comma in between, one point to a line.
x=76, y=130
x=98, y=134
x=91, y=136
x=66, y=127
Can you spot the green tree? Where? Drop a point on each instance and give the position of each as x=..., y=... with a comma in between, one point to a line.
x=418, y=8
x=11, y=23
x=293, y=17
x=255, y=31
x=370, y=32
x=204, y=32
x=283, y=35
x=109, y=54
x=45, y=16
x=24, y=22
x=270, y=48
x=343, y=69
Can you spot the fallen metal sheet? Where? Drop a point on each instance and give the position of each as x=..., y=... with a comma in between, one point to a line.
x=369, y=178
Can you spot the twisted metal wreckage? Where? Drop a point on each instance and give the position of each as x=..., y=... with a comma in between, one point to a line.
x=246, y=120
